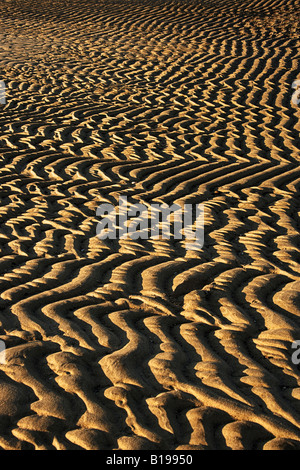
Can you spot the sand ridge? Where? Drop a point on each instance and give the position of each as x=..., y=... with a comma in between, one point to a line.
x=142, y=344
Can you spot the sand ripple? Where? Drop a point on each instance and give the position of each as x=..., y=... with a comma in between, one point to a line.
x=142, y=344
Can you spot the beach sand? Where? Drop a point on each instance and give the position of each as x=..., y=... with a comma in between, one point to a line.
x=145, y=344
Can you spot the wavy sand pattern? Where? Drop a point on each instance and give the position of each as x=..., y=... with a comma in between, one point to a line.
x=142, y=344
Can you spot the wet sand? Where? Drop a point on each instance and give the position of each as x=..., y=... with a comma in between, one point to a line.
x=145, y=344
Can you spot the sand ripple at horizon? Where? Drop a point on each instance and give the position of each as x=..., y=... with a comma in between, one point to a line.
x=143, y=344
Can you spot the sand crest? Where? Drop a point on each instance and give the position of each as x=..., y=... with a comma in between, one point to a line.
x=144, y=344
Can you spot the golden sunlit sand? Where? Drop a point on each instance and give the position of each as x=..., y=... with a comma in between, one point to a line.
x=145, y=344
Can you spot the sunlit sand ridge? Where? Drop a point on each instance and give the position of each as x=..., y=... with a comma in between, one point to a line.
x=143, y=344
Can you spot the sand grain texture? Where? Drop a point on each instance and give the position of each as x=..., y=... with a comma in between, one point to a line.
x=142, y=344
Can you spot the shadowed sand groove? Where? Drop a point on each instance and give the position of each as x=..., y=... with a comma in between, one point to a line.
x=141, y=344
